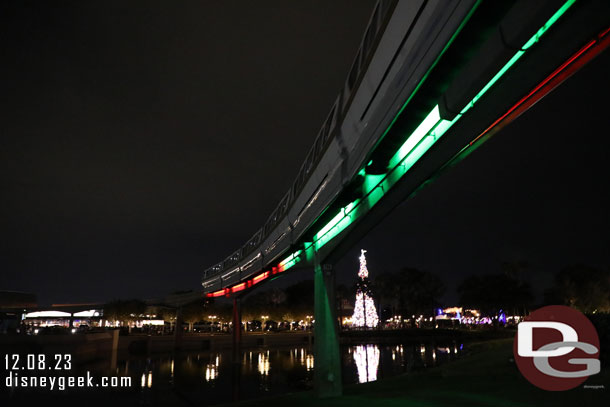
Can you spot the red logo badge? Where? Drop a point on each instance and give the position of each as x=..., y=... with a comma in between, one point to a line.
x=557, y=348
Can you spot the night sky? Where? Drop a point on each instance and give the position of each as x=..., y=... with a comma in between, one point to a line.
x=143, y=142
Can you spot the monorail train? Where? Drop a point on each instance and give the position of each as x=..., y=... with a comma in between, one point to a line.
x=390, y=51
x=401, y=49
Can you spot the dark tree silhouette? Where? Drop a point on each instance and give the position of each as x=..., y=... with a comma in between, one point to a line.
x=299, y=297
x=294, y=302
x=583, y=287
x=194, y=312
x=410, y=291
x=124, y=310
x=341, y=294
x=494, y=292
x=419, y=291
x=387, y=289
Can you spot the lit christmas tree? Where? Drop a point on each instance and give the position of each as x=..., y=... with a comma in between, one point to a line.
x=365, y=314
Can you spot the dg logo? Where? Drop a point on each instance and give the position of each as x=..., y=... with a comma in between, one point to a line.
x=556, y=348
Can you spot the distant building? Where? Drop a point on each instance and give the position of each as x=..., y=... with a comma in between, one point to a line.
x=346, y=310
x=12, y=306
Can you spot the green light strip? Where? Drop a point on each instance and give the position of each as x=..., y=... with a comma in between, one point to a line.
x=520, y=53
x=548, y=24
x=418, y=134
x=331, y=224
x=291, y=260
x=429, y=131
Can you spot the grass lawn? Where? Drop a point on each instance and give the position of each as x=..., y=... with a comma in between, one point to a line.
x=487, y=377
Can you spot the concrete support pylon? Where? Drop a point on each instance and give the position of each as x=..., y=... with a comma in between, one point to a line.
x=236, y=359
x=236, y=329
x=327, y=362
x=178, y=329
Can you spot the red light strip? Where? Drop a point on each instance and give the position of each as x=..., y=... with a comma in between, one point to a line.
x=592, y=49
x=242, y=286
x=238, y=287
x=260, y=277
x=218, y=293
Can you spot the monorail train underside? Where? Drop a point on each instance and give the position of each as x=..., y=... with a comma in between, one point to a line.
x=430, y=82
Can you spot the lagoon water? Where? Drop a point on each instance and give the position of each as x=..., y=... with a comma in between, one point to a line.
x=208, y=378
x=213, y=378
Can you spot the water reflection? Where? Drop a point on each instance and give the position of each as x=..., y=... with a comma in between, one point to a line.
x=309, y=362
x=146, y=380
x=211, y=376
x=263, y=363
x=367, y=361
x=397, y=352
x=211, y=368
x=211, y=372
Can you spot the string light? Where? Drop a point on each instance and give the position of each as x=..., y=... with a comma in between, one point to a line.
x=365, y=314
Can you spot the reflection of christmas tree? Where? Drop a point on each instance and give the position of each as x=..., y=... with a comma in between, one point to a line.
x=365, y=314
x=367, y=361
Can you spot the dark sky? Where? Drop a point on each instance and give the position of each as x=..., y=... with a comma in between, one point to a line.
x=142, y=143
